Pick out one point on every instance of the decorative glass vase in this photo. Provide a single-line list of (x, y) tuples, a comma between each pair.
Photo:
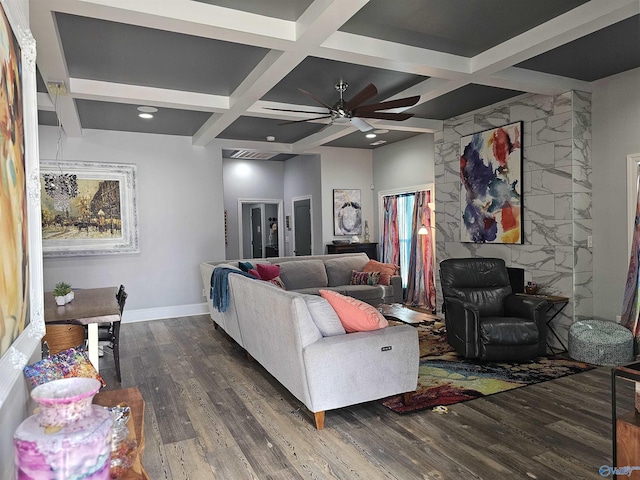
[(67, 437), (366, 232)]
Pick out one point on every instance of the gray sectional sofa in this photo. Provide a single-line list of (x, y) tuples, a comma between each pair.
[(298, 339)]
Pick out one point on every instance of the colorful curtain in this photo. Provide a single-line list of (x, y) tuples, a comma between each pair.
[(390, 245), (421, 291), (631, 301)]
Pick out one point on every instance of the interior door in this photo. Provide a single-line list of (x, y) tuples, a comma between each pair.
[(256, 232), (302, 226)]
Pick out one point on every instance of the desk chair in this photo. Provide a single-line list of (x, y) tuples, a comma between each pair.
[(110, 332)]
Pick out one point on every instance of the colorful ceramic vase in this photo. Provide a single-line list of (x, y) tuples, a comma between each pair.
[(67, 437)]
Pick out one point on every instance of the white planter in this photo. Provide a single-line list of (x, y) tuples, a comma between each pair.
[(61, 300), (69, 296)]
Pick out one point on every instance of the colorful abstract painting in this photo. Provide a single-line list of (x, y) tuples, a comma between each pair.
[(14, 279), (491, 185)]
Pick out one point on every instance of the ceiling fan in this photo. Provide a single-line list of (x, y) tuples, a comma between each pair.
[(353, 111)]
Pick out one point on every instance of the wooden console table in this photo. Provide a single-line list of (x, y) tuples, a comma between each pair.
[(133, 398), (371, 249)]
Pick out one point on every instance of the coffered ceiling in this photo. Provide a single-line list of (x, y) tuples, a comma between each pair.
[(213, 67)]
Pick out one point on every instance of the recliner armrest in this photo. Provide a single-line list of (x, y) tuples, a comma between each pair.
[(531, 308)]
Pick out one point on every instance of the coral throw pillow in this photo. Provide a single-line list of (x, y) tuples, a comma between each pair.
[(364, 278), (268, 272), (386, 270), (355, 315), (255, 273)]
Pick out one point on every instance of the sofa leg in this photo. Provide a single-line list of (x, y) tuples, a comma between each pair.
[(319, 419), (407, 398)]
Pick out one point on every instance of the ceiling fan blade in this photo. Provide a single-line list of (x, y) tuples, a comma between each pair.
[(362, 96), (306, 120), (387, 116), (316, 99), (361, 124), (288, 110), (400, 102)]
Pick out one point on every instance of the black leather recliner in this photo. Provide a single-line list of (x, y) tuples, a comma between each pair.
[(484, 319)]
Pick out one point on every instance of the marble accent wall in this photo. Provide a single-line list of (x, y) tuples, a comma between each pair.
[(556, 195)]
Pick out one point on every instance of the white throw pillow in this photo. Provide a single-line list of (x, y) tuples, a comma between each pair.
[(324, 316)]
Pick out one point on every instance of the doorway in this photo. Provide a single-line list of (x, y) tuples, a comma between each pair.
[(302, 226), (259, 234)]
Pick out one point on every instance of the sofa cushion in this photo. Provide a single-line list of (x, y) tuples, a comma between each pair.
[(386, 270), (373, 294), (355, 315), (303, 274), (339, 269), (316, 290), (324, 316), (267, 271), (226, 265), (364, 278)]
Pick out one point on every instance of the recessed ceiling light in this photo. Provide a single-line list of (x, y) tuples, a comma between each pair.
[(271, 138), (371, 135), (146, 116), (381, 131), (147, 109)]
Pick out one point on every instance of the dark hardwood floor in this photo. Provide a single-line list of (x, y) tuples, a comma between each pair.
[(212, 414)]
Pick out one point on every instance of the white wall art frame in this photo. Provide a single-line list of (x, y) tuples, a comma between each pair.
[(87, 227)]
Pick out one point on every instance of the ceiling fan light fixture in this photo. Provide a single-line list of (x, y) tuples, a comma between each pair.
[(380, 131), (147, 109)]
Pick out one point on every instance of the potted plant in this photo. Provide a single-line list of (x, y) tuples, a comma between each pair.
[(60, 292)]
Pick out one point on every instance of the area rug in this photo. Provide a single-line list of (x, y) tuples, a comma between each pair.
[(445, 378)]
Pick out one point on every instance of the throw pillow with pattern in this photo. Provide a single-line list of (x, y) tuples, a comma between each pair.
[(364, 278)]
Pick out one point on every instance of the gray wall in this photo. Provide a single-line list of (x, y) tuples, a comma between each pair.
[(403, 164), (179, 213), (245, 179), (616, 134), (302, 177)]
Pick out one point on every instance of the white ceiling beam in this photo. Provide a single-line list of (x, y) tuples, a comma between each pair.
[(328, 16), (574, 24), (139, 95), (327, 135), (187, 17), (524, 80), (52, 65)]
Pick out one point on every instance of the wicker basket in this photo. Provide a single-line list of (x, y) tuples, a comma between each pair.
[(63, 337)]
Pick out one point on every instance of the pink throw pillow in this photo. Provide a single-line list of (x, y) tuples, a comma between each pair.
[(268, 272), (386, 270), (255, 273), (355, 315)]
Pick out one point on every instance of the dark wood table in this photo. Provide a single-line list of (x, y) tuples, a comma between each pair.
[(556, 305), (397, 311), (133, 398), (90, 307)]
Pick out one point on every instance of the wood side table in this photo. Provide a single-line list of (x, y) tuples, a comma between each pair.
[(556, 305), (133, 398)]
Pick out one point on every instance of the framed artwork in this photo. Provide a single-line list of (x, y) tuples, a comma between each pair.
[(101, 219), (347, 212), (491, 185)]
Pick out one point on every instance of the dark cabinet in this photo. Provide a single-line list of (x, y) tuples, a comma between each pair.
[(371, 249)]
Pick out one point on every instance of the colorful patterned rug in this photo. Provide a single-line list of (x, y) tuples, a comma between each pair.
[(444, 378)]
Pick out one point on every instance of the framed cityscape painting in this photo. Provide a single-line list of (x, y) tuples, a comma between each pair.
[(100, 219), (491, 185)]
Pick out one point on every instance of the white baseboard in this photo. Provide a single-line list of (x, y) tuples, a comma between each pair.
[(145, 314)]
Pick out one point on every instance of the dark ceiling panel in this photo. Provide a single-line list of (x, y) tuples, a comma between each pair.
[(124, 117), (460, 27), (257, 129), (47, 117), (609, 51), (284, 9), (319, 76), (116, 52), (358, 140), (463, 100), (41, 87)]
